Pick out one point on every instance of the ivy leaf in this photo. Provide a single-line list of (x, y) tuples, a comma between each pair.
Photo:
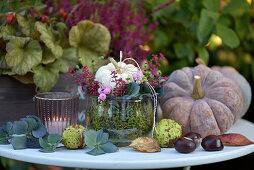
[(45, 77), (22, 55), (18, 142), (212, 5), (27, 24), (99, 142), (49, 39), (228, 36), (20, 127), (69, 59), (40, 131), (108, 147), (92, 40)]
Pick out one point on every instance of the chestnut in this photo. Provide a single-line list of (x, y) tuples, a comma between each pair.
[(212, 143), (185, 145), (195, 137)]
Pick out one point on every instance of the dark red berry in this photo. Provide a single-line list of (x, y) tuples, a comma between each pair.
[(9, 18), (45, 19), (63, 13)]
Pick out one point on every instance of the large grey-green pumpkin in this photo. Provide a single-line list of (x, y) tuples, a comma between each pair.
[(202, 100)]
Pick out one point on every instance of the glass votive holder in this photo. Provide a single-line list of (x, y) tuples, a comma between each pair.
[(57, 110)]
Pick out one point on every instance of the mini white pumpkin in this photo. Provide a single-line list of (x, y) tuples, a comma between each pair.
[(103, 75)]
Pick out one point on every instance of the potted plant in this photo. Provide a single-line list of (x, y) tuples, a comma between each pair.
[(120, 98)]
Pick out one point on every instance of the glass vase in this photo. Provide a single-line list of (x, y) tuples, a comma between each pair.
[(124, 119)]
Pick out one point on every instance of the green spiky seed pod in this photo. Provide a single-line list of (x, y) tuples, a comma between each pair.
[(168, 132), (73, 137)]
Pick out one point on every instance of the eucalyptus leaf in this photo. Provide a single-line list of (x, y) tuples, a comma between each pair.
[(45, 77), (69, 59), (32, 124), (92, 40), (19, 142), (43, 143), (96, 151), (22, 55), (53, 138), (40, 131), (20, 127), (90, 137), (108, 147), (32, 142), (7, 127), (49, 39)]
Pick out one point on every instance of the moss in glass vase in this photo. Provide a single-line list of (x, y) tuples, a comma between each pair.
[(124, 120)]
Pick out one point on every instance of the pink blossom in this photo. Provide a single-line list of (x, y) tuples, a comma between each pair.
[(106, 90), (102, 96), (100, 90), (109, 87), (134, 76), (139, 74)]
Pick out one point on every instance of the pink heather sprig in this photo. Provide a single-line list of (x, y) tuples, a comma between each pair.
[(120, 87), (86, 80)]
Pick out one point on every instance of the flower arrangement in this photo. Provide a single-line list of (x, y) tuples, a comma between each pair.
[(120, 97)]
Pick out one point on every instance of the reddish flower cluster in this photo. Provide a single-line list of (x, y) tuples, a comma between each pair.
[(86, 80), (120, 87)]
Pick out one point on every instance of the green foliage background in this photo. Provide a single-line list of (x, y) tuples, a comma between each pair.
[(187, 29)]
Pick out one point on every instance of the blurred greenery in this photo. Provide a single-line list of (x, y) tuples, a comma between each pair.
[(218, 31)]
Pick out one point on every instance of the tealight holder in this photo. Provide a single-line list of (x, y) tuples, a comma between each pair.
[(57, 110)]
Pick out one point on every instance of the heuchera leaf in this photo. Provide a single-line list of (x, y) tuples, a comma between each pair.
[(40, 131), (8, 32), (45, 77), (234, 139), (49, 39), (92, 40), (68, 59), (18, 142), (3, 64), (20, 127), (22, 55), (27, 24), (47, 56)]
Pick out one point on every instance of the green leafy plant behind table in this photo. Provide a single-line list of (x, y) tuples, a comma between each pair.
[(36, 51)]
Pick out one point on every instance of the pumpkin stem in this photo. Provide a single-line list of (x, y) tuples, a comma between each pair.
[(198, 92), (113, 61)]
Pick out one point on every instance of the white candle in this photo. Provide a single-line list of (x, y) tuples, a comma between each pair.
[(56, 126)]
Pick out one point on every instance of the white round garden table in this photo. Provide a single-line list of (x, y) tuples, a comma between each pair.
[(127, 158)]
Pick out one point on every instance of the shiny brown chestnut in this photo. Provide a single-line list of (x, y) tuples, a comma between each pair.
[(185, 145), (195, 137), (212, 143)]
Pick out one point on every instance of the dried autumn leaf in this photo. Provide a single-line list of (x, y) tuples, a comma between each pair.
[(234, 139), (145, 144)]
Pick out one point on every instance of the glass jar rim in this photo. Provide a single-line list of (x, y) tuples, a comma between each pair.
[(48, 95)]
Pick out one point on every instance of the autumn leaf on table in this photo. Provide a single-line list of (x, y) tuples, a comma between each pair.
[(145, 144), (234, 139)]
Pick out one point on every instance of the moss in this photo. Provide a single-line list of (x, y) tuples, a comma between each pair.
[(123, 120)]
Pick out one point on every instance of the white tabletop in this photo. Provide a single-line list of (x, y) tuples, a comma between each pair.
[(129, 159)]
